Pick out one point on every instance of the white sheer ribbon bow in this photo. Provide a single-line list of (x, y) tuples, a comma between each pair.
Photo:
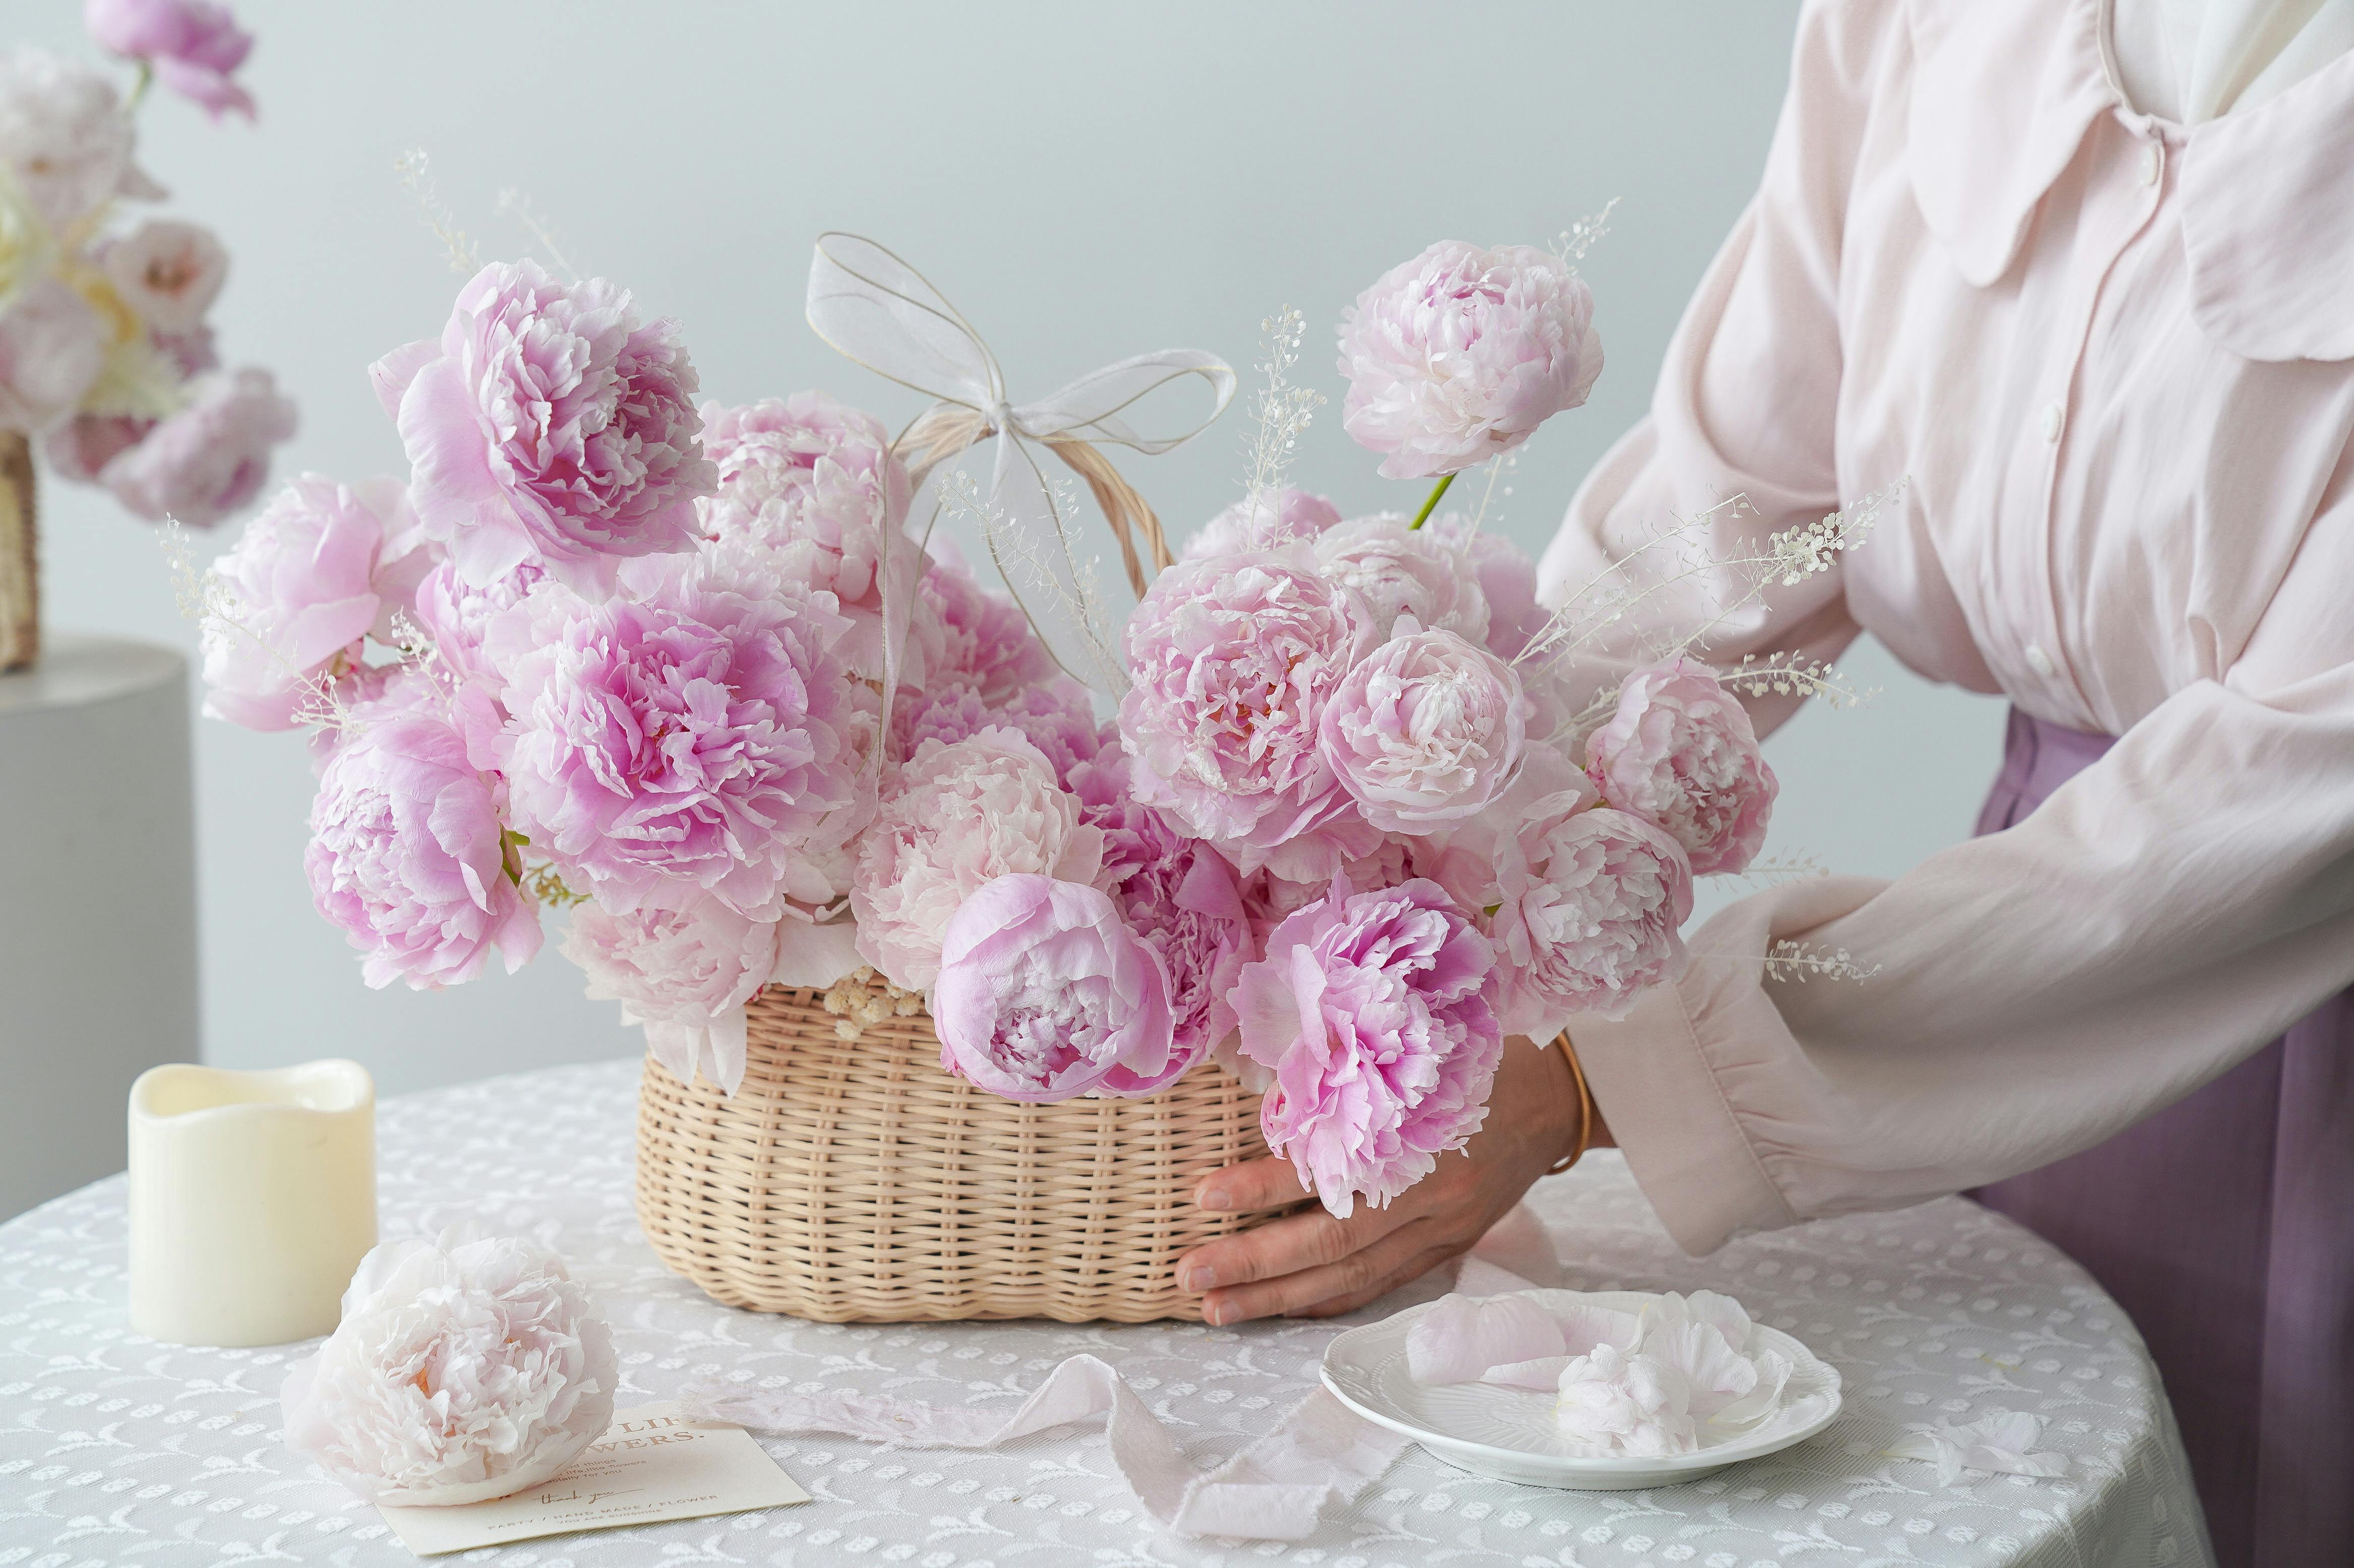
[(875, 309)]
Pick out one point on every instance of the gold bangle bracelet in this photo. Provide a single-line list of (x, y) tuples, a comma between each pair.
[(1585, 1107)]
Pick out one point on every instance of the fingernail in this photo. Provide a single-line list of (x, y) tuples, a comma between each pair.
[(1215, 1199), (1214, 1315), (1196, 1278)]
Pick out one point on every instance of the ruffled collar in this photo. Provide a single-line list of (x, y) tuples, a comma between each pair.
[(2003, 93)]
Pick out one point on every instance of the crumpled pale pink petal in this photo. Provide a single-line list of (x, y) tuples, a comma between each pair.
[(1997, 1441), (1461, 1338)]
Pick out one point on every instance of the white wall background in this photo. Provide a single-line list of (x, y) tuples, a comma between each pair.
[(1086, 181)]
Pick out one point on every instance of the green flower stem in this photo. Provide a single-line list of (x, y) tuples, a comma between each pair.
[(138, 89), (1435, 492)]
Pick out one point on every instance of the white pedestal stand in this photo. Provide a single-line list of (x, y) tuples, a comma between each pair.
[(98, 902)]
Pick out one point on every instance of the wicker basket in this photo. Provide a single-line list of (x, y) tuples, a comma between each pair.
[(857, 1181)]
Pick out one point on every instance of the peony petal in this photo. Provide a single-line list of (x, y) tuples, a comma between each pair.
[(1459, 1339)]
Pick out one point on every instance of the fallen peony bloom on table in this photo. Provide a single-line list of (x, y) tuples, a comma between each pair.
[(464, 1368)]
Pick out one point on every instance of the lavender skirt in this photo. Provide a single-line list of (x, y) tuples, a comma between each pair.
[(2225, 1225)]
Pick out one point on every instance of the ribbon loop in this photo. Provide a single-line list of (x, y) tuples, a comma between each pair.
[(876, 311)]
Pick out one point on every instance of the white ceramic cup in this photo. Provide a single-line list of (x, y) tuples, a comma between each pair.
[(253, 1200)]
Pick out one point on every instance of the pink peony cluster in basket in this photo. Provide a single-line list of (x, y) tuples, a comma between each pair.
[(685, 673)]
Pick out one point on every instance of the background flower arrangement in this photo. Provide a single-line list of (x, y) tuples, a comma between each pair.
[(706, 678), (106, 361)]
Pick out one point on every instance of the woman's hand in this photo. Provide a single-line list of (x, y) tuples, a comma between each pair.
[(1313, 1265)]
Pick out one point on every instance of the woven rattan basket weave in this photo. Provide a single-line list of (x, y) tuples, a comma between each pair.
[(857, 1181)]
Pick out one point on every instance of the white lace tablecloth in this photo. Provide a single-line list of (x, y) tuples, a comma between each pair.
[(116, 1450)]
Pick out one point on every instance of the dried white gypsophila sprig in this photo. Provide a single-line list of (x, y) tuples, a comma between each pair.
[(1281, 412), (515, 204), (1792, 675), (1796, 960), (1573, 243), (1071, 586), (1789, 866), (415, 170), (863, 997)]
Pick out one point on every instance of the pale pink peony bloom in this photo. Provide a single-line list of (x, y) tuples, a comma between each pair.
[(1506, 578), (1372, 1010), (1403, 572), (1057, 716), (1457, 355), (965, 634), (192, 45), (408, 853), (465, 1369), (1251, 525), (210, 458), (1233, 660), (1680, 752), (1463, 857), (86, 443), (816, 481), (963, 815), (65, 137), (1592, 901), (169, 272), (1425, 731), (1180, 895), (692, 737), (1269, 898), (457, 615), (1045, 994), (548, 423), (52, 348), (684, 973), (311, 575)]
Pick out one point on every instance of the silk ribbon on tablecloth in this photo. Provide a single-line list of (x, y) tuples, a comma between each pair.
[(876, 311)]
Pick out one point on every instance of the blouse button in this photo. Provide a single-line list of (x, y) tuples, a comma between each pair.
[(2054, 417), (2040, 661), (2152, 163)]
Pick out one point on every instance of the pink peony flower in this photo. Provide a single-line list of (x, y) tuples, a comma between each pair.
[(312, 575), (1591, 905), (86, 443), (688, 738), (1507, 578), (457, 615), (971, 636), (64, 135), (1058, 717), (1180, 895), (1233, 660), (684, 973), (210, 458), (1268, 899), (816, 479), (1045, 994), (1250, 525), (407, 853), (192, 45), (548, 423), (1401, 572), (465, 1369), (51, 351), (963, 815), (1679, 752), (169, 272), (1459, 354), (1372, 1010), (1423, 731)]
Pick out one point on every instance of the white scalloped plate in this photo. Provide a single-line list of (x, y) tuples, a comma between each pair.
[(1508, 1433)]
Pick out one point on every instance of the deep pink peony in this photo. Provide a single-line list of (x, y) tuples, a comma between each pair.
[(684, 973), (965, 634), (311, 575), (1591, 906), (692, 737), (1181, 896), (169, 272), (406, 848), (1233, 660), (210, 458), (816, 481), (1459, 354), (51, 351), (547, 422), (1251, 525), (1374, 1012), (194, 46), (1679, 752), (963, 815), (1400, 571), (1058, 717), (1045, 994), (457, 615), (1423, 731)]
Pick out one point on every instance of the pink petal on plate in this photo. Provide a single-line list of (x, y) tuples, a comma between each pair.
[(1459, 1338)]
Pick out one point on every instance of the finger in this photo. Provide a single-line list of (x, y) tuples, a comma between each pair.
[(1287, 1245), (1416, 1266), (1342, 1277), (1266, 1184)]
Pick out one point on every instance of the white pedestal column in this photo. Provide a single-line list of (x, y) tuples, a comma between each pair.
[(98, 902)]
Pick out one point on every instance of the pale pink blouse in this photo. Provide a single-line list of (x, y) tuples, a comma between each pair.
[(2114, 361)]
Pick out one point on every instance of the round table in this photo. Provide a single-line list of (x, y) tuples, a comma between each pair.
[(117, 1450)]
